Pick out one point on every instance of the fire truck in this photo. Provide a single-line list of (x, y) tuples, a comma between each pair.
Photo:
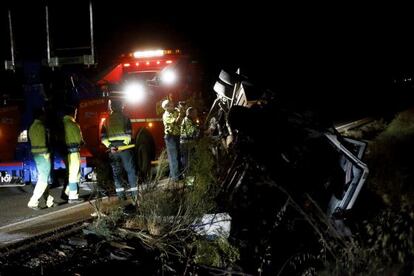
[(141, 80)]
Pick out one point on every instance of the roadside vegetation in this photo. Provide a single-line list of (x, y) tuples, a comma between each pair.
[(167, 214), (161, 230), (383, 240)]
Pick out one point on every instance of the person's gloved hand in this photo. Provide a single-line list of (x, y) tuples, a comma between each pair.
[(113, 149)]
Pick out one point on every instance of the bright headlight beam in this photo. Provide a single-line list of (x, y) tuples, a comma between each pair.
[(134, 92), (168, 77)]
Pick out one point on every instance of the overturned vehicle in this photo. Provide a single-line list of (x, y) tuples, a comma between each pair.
[(288, 178)]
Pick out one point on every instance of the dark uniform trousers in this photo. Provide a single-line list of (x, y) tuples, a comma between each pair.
[(123, 159)]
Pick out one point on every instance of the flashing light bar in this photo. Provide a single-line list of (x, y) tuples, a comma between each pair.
[(154, 53), (151, 53), (146, 63)]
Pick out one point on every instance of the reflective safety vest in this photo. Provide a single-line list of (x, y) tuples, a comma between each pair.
[(73, 134), (116, 130), (189, 130), (171, 124), (37, 136)]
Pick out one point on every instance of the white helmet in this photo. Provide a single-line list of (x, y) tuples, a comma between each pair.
[(164, 104)]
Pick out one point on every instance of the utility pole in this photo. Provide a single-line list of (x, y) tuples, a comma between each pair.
[(11, 64)]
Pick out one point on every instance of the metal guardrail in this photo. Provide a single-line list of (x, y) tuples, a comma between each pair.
[(354, 124)]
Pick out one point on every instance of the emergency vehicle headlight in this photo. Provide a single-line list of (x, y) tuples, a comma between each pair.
[(146, 54), (168, 77), (22, 137), (134, 92)]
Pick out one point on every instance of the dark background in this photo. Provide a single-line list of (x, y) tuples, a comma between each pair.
[(341, 59)]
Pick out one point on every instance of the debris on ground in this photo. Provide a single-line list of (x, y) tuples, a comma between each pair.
[(213, 226)]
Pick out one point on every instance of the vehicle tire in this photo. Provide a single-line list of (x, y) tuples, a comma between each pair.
[(145, 153)]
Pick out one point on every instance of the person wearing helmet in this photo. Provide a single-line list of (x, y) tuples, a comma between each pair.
[(117, 132), (171, 119)]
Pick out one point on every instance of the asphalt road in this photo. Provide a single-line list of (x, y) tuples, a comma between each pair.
[(19, 223), (13, 202)]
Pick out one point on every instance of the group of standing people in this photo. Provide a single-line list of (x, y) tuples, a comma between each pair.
[(180, 129), (115, 135), (40, 148)]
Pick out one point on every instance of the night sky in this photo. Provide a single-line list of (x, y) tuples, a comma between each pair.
[(344, 56)]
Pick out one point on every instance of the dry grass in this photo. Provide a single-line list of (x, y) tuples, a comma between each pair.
[(385, 244), (368, 131), (164, 217), (390, 158)]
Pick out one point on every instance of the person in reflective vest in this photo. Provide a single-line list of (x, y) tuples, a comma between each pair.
[(116, 132), (171, 119), (39, 146), (73, 140), (189, 132)]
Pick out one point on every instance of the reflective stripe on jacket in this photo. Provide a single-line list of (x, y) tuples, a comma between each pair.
[(117, 128)]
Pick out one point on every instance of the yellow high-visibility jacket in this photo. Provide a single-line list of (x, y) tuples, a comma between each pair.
[(116, 130), (73, 134), (171, 123), (189, 130), (38, 137)]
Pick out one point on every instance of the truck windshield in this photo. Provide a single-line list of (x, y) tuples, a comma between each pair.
[(139, 76)]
